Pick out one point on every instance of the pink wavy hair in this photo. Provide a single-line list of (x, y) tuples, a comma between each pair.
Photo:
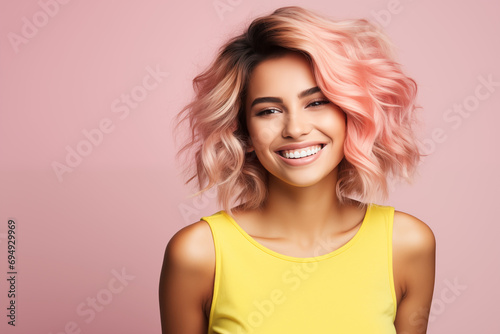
[(354, 67)]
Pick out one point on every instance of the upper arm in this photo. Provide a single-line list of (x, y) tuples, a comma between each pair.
[(414, 247), (187, 280)]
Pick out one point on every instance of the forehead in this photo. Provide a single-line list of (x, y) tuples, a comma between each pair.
[(283, 76)]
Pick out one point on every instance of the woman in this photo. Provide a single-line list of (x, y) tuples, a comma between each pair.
[(301, 120)]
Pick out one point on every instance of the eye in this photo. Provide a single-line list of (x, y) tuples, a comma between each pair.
[(318, 103), (267, 112)]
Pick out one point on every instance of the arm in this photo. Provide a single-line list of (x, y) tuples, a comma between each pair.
[(414, 247), (186, 280)]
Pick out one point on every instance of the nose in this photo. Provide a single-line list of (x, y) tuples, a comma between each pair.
[(296, 124)]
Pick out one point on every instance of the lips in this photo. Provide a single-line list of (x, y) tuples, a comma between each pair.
[(298, 151)]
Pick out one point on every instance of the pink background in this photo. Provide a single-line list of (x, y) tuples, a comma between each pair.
[(118, 207)]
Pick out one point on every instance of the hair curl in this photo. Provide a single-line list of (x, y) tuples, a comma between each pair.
[(354, 66)]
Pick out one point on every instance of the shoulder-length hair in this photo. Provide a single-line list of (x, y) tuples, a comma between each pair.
[(354, 66)]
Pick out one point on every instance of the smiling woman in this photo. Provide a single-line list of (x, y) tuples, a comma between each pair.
[(299, 122)]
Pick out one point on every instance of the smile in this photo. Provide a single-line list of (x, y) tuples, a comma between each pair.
[(302, 152)]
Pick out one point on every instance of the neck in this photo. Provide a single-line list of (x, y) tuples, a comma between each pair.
[(304, 214)]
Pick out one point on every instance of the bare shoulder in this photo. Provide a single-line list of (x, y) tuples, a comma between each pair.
[(186, 280), (192, 248), (414, 259), (412, 235)]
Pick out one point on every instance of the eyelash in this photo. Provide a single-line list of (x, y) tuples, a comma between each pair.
[(266, 111)]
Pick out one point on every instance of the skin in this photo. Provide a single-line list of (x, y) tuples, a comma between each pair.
[(301, 208)]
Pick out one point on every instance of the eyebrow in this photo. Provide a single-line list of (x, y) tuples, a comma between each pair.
[(301, 95)]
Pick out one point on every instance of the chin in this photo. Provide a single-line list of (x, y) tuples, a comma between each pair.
[(304, 181)]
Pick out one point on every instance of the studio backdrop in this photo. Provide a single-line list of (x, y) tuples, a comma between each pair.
[(91, 193)]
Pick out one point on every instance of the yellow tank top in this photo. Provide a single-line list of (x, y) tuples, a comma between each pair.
[(347, 291)]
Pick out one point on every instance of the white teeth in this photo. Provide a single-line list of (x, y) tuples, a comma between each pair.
[(302, 153)]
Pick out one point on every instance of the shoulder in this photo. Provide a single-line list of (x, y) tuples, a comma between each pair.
[(192, 248), (412, 236), (414, 262), (414, 255), (186, 279)]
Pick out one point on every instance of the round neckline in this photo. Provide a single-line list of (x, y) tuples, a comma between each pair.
[(337, 251)]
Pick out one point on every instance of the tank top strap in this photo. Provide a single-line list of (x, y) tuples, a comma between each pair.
[(379, 225)]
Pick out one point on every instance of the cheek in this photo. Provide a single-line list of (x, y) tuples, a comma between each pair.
[(334, 123), (263, 132)]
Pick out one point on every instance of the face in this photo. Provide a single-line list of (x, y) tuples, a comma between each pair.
[(296, 132)]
